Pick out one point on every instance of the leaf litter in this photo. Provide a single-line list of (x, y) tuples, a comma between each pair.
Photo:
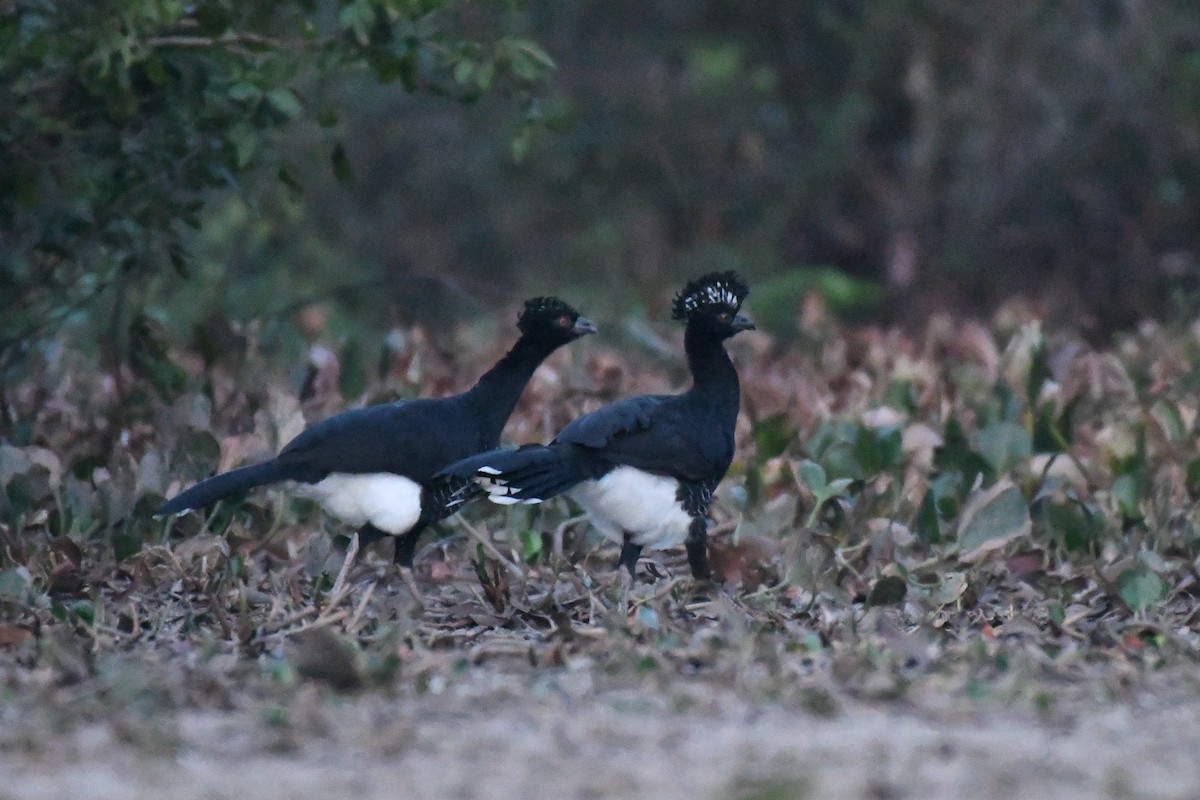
[(917, 530)]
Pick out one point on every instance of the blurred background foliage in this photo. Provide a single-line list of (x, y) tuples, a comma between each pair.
[(395, 161), (127, 126)]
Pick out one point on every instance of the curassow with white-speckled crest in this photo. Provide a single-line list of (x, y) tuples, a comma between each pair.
[(644, 468), (377, 468)]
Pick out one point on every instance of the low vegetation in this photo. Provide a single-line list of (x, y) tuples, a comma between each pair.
[(987, 513)]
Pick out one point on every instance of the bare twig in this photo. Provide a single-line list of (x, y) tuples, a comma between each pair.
[(196, 42), (324, 621), (299, 616), (356, 620), (559, 531), (351, 552), (490, 548)]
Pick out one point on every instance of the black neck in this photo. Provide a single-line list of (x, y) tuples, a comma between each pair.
[(712, 370), (495, 394)]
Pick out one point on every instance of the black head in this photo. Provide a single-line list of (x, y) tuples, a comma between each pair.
[(713, 301), (551, 320)]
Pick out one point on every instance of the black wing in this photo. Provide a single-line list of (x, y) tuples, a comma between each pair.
[(415, 438), (666, 435), (598, 428)]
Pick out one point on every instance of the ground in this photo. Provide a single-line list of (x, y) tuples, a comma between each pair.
[(686, 692), (966, 564), (513, 731)]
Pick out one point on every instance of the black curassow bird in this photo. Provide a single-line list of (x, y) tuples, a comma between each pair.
[(376, 468), (644, 468)]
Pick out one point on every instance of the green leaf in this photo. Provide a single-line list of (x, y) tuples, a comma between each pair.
[(14, 584), (485, 73), (813, 475), (244, 92), (1051, 434), (358, 18), (464, 71), (1070, 521), (956, 455), (155, 70), (1128, 496), (929, 528), (837, 486), (531, 545), (1140, 588), (84, 611), (1003, 445), (991, 519), (288, 178), (244, 140), (480, 564), (776, 300), (529, 61), (285, 102), (877, 450), (900, 393), (772, 435), (840, 461), (1169, 419), (522, 141), (940, 504), (1039, 370), (888, 591), (1193, 477)]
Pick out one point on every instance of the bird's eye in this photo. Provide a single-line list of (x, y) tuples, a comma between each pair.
[(564, 321), (723, 316)]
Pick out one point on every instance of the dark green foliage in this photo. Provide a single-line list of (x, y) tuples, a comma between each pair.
[(888, 591), (773, 435), (877, 449), (957, 456), (939, 505), (120, 118)]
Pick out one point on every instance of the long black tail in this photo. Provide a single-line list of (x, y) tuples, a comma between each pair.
[(210, 490), (529, 474)]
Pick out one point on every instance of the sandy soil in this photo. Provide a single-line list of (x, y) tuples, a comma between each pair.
[(510, 739)]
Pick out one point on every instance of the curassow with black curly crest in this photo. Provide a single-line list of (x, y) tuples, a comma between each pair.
[(644, 468), (378, 468)]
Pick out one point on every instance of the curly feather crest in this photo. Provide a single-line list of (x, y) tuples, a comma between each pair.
[(546, 308), (724, 289)]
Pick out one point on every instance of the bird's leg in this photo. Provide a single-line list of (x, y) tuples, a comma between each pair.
[(406, 546), (628, 559), (697, 549), (368, 535), (630, 553)]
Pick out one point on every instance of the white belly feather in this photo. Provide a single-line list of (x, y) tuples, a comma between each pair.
[(390, 502), (640, 503)]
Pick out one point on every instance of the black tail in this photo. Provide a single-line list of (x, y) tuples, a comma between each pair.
[(210, 490), (529, 474)]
